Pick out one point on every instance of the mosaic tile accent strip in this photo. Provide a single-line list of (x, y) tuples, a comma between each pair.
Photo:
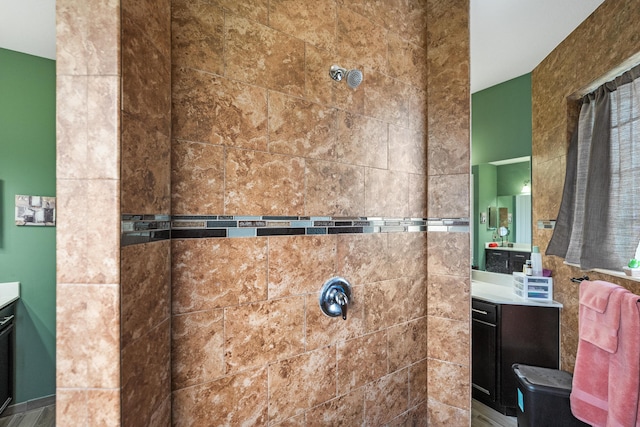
[(136, 229), (144, 228)]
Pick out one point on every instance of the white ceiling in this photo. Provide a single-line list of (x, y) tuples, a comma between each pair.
[(509, 38)]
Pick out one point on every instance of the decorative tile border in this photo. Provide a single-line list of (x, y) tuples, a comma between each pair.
[(148, 228)]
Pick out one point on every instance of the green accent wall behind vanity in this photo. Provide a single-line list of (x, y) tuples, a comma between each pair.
[(27, 254), (501, 121), (500, 130)]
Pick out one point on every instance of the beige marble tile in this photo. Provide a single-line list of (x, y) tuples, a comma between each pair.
[(334, 189), (260, 55), (323, 330), (386, 398), (87, 336), (256, 10), (301, 128), (162, 415), (145, 288), (417, 109), (449, 296), (87, 38), (345, 410), (289, 379), (263, 184), (155, 18), (408, 19), (407, 343), (418, 391), (89, 135), (361, 360), (449, 383), (215, 273), (71, 407), (313, 22), (233, 400), (418, 196), (197, 178), (197, 36), (386, 98), (386, 193), (71, 127), (408, 254), (145, 168), (449, 340), (209, 108), (392, 302), (300, 264), (102, 42), (146, 69), (362, 140), (82, 255), (71, 55), (442, 415), (407, 61), (146, 375), (407, 150), (363, 258), (448, 254), (264, 332), (448, 196), (362, 40), (197, 348)]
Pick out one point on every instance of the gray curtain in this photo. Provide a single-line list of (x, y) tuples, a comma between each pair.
[(598, 225)]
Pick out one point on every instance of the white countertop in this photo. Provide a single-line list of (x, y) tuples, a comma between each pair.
[(519, 247), (9, 292), (498, 289)]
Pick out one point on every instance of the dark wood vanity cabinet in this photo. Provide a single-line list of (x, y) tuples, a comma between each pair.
[(503, 261), (504, 334)]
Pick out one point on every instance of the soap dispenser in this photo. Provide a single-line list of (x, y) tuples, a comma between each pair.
[(536, 261)]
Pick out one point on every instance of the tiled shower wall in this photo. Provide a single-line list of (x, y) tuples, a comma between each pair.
[(145, 275), (602, 44), (259, 128)]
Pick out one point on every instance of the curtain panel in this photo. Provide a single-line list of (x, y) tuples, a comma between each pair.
[(598, 224)]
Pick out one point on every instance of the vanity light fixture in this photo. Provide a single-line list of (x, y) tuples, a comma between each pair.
[(526, 189)]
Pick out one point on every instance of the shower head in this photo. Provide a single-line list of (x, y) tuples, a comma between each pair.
[(354, 77)]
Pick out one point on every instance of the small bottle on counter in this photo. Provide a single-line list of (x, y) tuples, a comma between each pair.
[(536, 261), (527, 270)]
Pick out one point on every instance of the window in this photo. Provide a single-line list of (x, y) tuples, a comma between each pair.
[(598, 225)]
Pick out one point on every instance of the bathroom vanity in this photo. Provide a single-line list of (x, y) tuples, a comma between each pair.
[(9, 294), (506, 260), (508, 329)]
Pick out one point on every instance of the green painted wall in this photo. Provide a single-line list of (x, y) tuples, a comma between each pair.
[(500, 130), (501, 121), (27, 254)]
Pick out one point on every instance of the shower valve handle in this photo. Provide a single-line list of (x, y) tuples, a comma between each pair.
[(343, 302)]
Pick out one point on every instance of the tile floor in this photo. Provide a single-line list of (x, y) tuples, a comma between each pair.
[(39, 417)]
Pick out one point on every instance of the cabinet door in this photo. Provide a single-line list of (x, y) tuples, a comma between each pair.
[(529, 335), (484, 335), (497, 261), (518, 260)]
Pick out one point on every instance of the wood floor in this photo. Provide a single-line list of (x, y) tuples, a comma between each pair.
[(40, 417), (483, 416)]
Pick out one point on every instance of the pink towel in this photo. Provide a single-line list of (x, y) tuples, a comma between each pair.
[(606, 384), (599, 320)]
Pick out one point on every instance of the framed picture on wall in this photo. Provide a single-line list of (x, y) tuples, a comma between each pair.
[(35, 210)]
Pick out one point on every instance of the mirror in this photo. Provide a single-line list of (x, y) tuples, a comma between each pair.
[(493, 218), (498, 194)]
